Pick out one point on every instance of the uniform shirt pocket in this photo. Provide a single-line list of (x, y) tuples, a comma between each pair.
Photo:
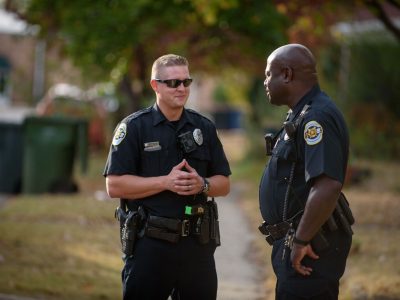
[(199, 160), (152, 162)]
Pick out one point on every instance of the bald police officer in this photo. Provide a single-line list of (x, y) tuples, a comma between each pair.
[(164, 162), (302, 182)]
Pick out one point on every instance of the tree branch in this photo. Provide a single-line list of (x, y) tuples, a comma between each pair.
[(376, 8)]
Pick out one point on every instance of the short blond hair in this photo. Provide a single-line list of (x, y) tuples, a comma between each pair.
[(167, 60)]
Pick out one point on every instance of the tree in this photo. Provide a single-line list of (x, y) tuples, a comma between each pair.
[(120, 38)]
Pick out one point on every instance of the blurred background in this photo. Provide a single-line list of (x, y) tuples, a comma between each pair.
[(71, 70)]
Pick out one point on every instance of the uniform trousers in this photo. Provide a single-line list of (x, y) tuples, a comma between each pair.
[(157, 268), (323, 283)]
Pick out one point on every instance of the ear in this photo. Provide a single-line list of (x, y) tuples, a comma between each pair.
[(153, 84), (287, 73)]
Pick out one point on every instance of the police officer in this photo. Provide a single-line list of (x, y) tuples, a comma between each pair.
[(166, 159), (302, 181)]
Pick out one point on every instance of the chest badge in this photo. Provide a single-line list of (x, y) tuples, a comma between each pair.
[(198, 136)]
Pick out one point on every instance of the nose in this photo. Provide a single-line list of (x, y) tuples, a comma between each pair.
[(180, 86), (265, 83)]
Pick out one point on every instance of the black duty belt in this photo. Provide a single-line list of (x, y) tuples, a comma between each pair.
[(278, 231), (274, 232), (169, 229), (200, 220)]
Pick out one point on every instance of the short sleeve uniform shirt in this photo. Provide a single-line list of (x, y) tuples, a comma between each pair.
[(320, 147), (145, 144)]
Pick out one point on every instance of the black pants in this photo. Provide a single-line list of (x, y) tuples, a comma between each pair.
[(323, 283), (330, 292), (158, 267)]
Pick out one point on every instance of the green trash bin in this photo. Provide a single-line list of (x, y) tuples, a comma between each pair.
[(51, 145), (11, 143)]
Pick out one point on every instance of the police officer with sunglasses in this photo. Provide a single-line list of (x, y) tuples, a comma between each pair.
[(165, 164)]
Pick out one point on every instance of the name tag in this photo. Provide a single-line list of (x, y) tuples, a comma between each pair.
[(152, 146)]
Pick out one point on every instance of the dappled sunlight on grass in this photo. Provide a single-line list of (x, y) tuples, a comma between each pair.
[(103, 259), (60, 247)]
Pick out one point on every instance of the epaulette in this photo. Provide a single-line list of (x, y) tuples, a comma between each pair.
[(302, 114), (198, 114), (138, 113)]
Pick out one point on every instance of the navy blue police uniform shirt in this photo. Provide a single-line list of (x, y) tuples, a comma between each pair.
[(320, 147), (145, 144)]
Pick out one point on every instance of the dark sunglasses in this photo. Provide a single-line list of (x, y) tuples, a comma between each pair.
[(174, 83)]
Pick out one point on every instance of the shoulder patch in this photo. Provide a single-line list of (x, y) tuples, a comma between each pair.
[(313, 133), (119, 134)]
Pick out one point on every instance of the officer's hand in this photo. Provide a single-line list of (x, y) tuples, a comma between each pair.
[(184, 179), (174, 178), (196, 181), (296, 256)]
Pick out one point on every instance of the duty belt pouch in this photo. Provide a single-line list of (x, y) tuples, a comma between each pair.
[(319, 241), (214, 222), (344, 215), (204, 234), (163, 229)]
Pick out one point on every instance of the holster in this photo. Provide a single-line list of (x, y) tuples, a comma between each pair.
[(129, 227), (274, 232)]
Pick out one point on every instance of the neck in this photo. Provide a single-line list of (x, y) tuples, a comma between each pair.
[(171, 114), (298, 94)]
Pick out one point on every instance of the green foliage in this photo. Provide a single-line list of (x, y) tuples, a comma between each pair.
[(101, 34), (374, 99), (329, 63), (368, 93), (375, 74)]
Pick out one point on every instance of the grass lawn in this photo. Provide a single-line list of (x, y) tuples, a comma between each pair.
[(61, 246)]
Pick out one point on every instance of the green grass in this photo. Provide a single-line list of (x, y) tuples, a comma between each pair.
[(60, 247)]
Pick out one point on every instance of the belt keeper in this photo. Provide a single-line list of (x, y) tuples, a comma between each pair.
[(185, 228)]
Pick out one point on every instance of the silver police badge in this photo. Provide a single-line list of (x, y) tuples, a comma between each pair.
[(198, 136)]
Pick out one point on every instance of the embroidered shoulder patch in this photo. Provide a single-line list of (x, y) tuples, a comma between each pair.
[(119, 135), (313, 132)]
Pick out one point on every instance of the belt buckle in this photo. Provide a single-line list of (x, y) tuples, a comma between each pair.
[(185, 228)]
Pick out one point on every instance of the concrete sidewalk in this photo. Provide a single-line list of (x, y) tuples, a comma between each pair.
[(238, 277)]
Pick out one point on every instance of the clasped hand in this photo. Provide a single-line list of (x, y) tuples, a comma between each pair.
[(184, 180)]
